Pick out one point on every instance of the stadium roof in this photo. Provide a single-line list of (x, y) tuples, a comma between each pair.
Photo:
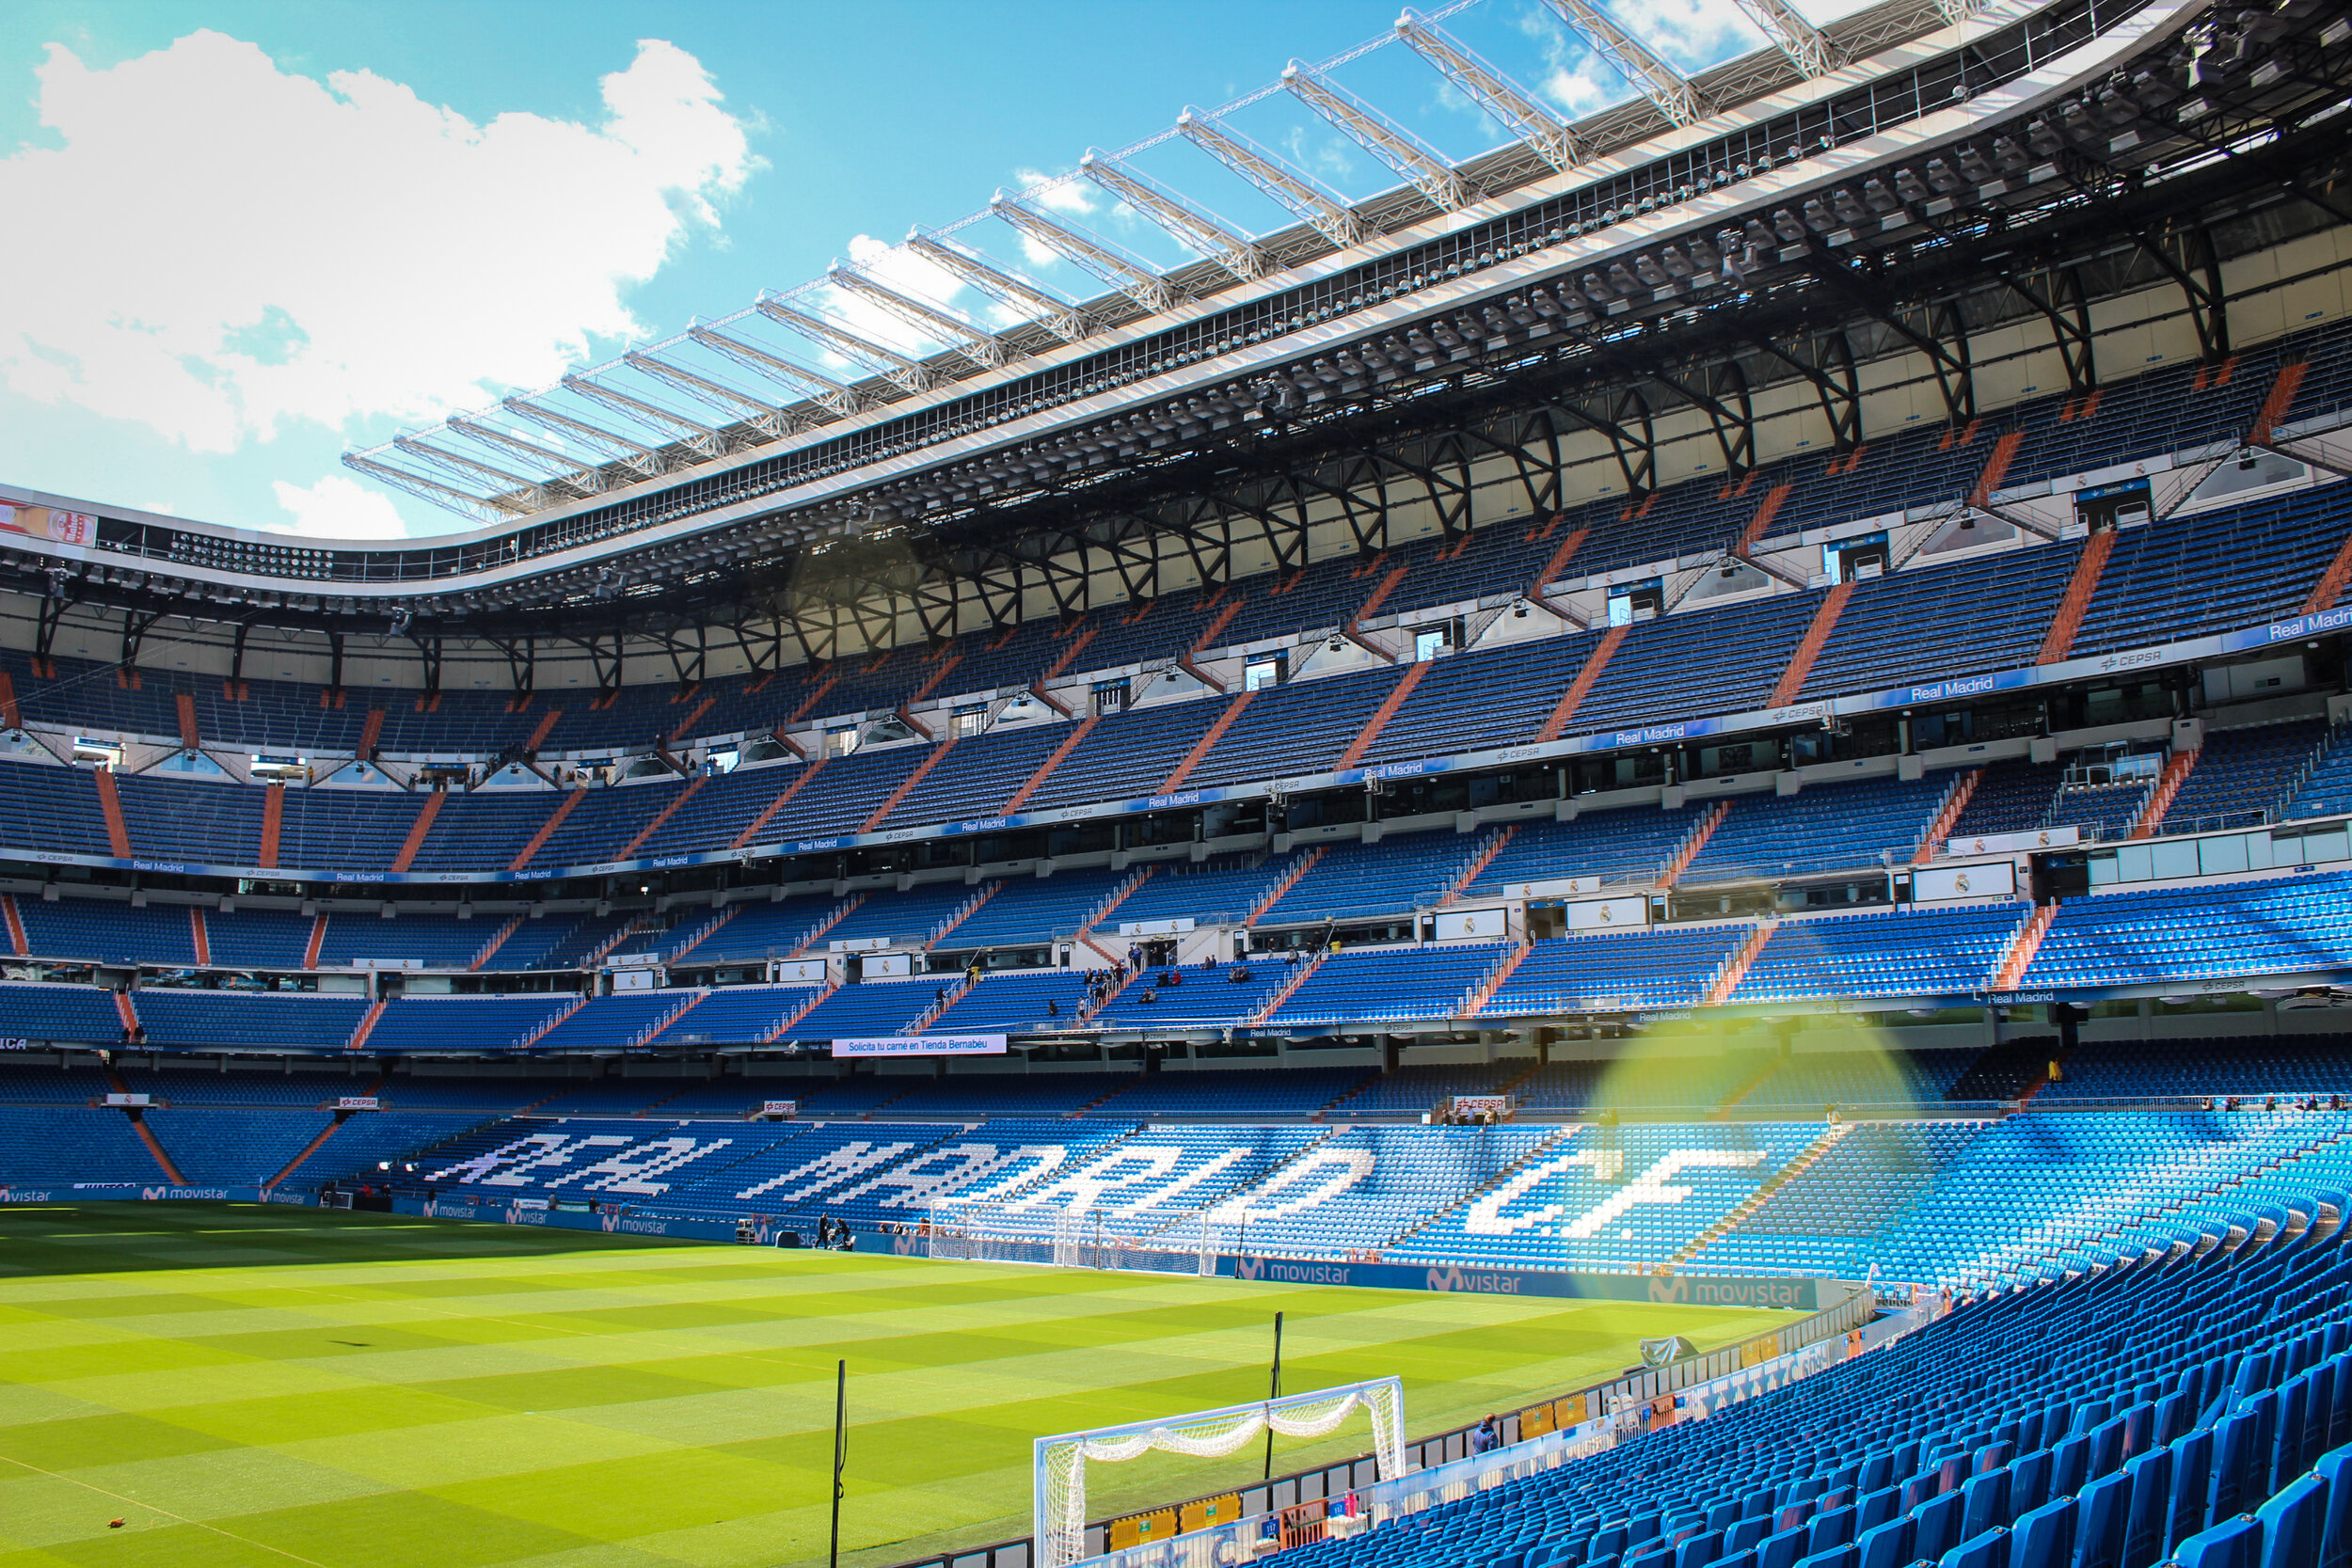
[(2015, 167), (667, 407)]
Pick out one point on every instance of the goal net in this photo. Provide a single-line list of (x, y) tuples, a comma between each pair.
[(1059, 1498), (992, 1233)]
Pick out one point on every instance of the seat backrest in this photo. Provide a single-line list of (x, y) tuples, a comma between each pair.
[(2231, 1543), (2044, 1537), (1886, 1545), (2100, 1511), (2295, 1522), (2150, 1477), (1988, 1550), (1937, 1525), (2192, 1476)]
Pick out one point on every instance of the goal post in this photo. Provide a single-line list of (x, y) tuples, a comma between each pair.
[(1058, 1502)]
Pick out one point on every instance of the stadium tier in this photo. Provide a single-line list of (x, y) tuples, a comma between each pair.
[(2225, 565), (1932, 1187)]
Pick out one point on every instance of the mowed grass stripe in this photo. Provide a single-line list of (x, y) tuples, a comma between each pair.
[(567, 1400)]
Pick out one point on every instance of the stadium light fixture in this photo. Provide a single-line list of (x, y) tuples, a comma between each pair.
[(1290, 187), (1190, 224), (1808, 47), (983, 348), (1492, 91), (1132, 276), (892, 366), (1661, 82), (1006, 287), (821, 389), (1422, 166)]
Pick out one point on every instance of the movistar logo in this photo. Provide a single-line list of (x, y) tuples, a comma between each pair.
[(1483, 1284)]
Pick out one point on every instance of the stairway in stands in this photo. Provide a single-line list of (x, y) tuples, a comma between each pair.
[(1810, 1156)]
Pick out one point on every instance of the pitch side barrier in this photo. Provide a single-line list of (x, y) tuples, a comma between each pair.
[(151, 1191), (1785, 1293), (1792, 1294), (1928, 688)]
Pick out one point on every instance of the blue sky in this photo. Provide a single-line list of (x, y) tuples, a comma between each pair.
[(247, 236)]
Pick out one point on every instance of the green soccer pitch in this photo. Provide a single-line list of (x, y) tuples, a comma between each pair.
[(247, 1385)]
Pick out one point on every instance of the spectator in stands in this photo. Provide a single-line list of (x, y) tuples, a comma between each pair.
[(1150, 996), (1053, 1008), (1240, 975), (1487, 1437)]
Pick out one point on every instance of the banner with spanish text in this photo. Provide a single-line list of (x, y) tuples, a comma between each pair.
[(922, 1045)]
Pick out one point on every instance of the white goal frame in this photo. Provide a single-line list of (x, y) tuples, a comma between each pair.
[(1059, 1500)]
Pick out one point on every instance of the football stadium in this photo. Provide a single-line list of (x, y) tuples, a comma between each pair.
[(1634, 853)]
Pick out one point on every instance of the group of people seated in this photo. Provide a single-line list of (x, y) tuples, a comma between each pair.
[(2270, 1103)]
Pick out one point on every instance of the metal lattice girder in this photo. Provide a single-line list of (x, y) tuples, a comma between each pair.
[(642, 458), (1423, 165), (583, 479), (822, 389), (532, 489), (1211, 236), (1661, 82), (1131, 278), (1056, 315), (464, 502), (984, 349), (701, 437), (1317, 203), (1492, 91), (458, 462), (889, 364), (763, 417), (1808, 47)]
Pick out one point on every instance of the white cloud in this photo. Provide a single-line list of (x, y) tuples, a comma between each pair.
[(1454, 100), (1691, 34), (1694, 34), (218, 249), (1056, 193), (906, 272), (1327, 158), (338, 508)]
